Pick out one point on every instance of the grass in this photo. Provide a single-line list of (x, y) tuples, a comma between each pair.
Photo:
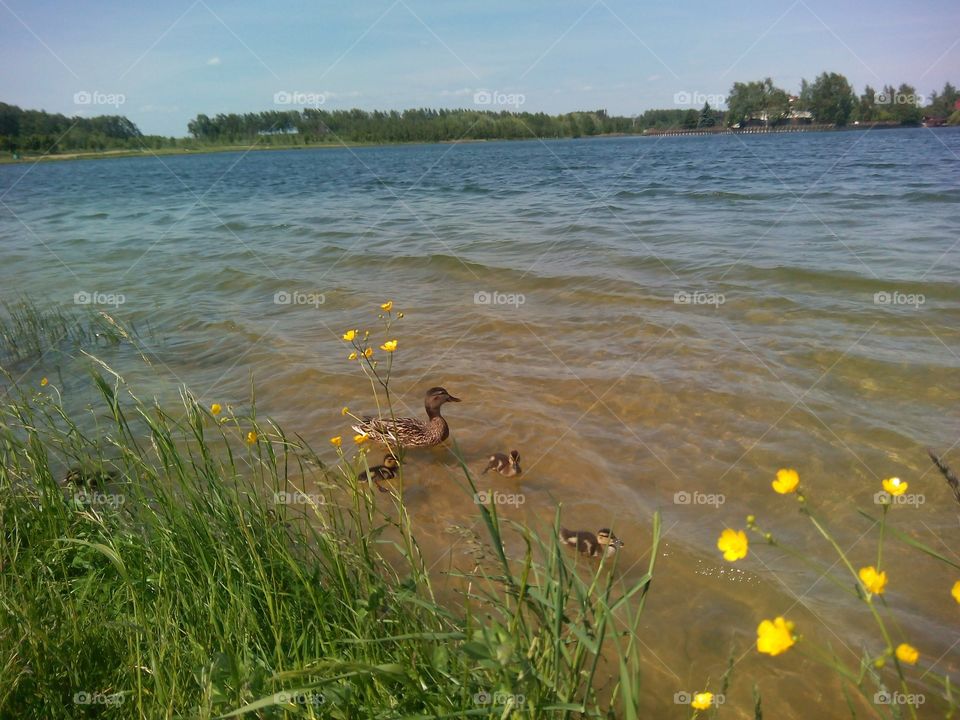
[(181, 587)]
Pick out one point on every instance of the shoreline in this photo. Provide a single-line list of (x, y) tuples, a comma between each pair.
[(650, 132)]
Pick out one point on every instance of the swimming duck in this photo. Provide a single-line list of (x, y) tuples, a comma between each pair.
[(411, 432), (84, 477), (506, 466), (387, 471), (589, 544)]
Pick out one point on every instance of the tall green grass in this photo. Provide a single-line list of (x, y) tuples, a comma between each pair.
[(181, 587)]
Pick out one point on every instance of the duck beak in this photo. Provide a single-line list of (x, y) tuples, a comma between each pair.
[(451, 398)]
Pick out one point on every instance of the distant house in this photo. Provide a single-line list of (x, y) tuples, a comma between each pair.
[(933, 121)]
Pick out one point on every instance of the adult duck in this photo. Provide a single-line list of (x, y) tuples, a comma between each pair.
[(411, 432)]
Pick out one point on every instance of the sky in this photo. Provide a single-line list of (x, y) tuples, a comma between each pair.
[(162, 63)]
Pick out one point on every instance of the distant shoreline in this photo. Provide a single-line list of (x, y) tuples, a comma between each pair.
[(6, 159)]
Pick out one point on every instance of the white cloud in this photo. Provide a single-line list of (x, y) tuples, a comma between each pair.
[(215, 60)]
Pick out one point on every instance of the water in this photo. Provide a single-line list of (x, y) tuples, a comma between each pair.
[(620, 396)]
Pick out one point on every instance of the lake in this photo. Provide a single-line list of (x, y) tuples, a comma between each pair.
[(654, 323)]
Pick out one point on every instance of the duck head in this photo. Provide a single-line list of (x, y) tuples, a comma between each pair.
[(608, 540), (515, 461), (390, 461), (435, 397)]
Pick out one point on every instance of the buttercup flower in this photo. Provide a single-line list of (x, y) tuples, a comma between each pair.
[(387, 306), (44, 382), (251, 437), (895, 486), (345, 410), (787, 481), (359, 439), (368, 353), (215, 409), (775, 636), (349, 335), (399, 314), (701, 701), (389, 346), (336, 441), (352, 356), (907, 654), (733, 544), (872, 580), (956, 591)]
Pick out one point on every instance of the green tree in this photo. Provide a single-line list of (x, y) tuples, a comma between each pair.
[(831, 99), (759, 100), (707, 118)]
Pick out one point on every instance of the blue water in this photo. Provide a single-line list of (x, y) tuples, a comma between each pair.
[(828, 336)]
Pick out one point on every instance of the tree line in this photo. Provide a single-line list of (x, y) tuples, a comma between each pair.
[(828, 100)]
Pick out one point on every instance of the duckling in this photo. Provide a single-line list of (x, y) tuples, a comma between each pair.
[(387, 471), (589, 544), (506, 466), (411, 432), (88, 478)]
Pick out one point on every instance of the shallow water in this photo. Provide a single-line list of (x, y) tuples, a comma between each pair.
[(618, 394)]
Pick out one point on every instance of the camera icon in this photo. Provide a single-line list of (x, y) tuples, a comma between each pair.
[(682, 698), (682, 98), (882, 298), (81, 698), (882, 98), (682, 297), (882, 497), (282, 98), (482, 97), (82, 98), (682, 498), (82, 298), (282, 297), (482, 497), (482, 698), (882, 697), (482, 298)]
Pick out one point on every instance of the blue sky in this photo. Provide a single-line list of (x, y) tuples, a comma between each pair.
[(162, 63)]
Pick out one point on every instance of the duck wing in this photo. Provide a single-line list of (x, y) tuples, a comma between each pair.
[(392, 431)]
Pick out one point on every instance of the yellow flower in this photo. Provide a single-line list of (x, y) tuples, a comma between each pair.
[(368, 353), (345, 410), (352, 356), (251, 437), (399, 314), (907, 654), (787, 481), (389, 346), (895, 486), (701, 701), (359, 439), (44, 382), (872, 580), (349, 335), (733, 543), (956, 591), (336, 441), (216, 409), (387, 306), (775, 636)]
